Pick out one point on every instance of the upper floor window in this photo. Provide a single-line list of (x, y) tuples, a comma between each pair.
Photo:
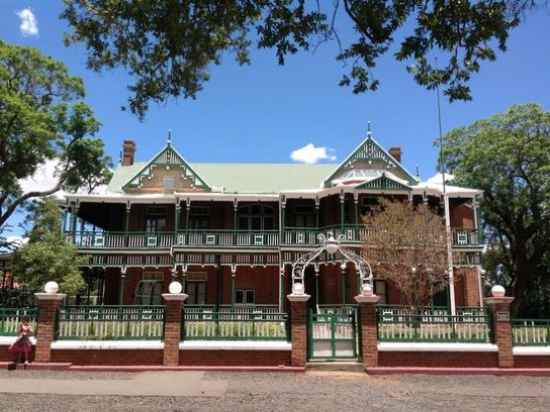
[(256, 217), (199, 217), (304, 216), (156, 220)]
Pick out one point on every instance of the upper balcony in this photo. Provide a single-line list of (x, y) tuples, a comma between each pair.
[(354, 235)]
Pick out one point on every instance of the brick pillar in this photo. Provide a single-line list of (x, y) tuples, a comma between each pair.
[(48, 304), (172, 327), (502, 328), (369, 329), (298, 325)]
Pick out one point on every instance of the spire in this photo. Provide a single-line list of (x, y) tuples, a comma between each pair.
[(169, 139), (369, 131), (417, 171)]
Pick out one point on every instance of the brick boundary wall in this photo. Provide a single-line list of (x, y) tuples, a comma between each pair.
[(532, 361), (234, 358), (438, 359), (108, 356), (5, 356)]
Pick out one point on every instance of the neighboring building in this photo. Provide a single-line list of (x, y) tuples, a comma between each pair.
[(231, 231), (6, 277)]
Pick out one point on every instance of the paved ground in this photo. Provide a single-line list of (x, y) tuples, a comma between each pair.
[(312, 391)]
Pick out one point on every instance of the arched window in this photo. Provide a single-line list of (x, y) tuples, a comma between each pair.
[(256, 217)]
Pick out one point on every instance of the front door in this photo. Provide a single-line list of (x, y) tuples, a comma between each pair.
[(196, 292)]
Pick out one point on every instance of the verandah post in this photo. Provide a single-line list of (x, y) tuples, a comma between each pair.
[(172, 326), (48, 305)]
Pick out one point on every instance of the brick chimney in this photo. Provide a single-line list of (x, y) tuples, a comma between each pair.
[(396, 153), (128, 152)]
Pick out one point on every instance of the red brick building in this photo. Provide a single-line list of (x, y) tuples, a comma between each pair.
[(230, 231)]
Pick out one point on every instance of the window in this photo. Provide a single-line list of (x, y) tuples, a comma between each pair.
[(368, 205), (245, 296), (149, 289), (155, 220), (305, 216), (256, 217), (380, 290), (197, 293), (199, 217)]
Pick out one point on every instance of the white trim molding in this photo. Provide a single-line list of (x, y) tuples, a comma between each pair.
[(436, 347), (251, 345), (107, 344), (531, 351)]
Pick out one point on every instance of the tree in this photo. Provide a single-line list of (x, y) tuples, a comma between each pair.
[(168, 45), (415, 259), (508, 157), (47, 256), (43, 118)]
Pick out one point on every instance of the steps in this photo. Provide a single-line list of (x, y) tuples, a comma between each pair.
[(335, 365)]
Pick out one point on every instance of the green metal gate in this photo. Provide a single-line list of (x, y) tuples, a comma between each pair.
[(332, 333)]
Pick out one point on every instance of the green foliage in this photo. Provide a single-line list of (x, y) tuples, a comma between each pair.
[(508, 157), (42, 117), (47, 256), (168, 45)]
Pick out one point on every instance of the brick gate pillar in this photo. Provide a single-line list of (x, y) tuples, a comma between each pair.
[(369, 330), (172, 327), (499, 305), (48, 305), (298, 328)]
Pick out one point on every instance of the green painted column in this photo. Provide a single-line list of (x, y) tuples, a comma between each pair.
[(316, 285), (343, 285), (127, 224), (233, 281), (121, 292), (281, 289), (356, 208), (235, 220), (177, 218), (73, 221), (342, 211)]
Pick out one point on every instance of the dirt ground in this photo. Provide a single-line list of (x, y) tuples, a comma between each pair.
[(229, 391)]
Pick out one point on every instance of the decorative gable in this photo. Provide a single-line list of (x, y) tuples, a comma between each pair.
[(167, 172), (383, 183), (370, 155)]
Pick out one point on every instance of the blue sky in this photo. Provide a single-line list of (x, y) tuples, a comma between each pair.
[(262, 112)]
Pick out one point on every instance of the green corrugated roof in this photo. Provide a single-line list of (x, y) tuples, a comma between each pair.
[(244, 177)]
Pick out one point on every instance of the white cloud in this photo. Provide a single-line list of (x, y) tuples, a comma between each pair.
[(17, 241), (46, 177), (29, 24), (310, 154)]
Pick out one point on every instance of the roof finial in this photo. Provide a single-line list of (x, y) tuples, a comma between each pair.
[(369, 131), (417, 171), (169, 140)]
